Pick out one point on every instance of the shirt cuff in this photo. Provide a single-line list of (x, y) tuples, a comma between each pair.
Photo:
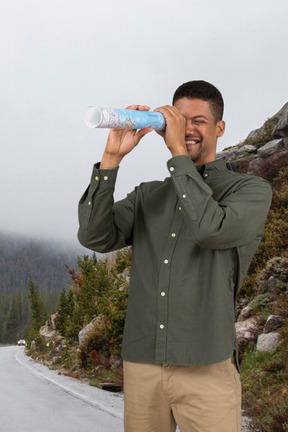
[(179, 165), (104, 178)]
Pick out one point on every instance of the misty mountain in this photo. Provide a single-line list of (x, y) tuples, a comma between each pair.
[(44, 261)]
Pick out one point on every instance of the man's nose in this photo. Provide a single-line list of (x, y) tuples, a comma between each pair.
[(190, 128)]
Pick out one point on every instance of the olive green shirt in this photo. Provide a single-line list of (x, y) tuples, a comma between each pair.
[(193, 236)]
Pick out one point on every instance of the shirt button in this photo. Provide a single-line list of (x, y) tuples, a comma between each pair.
[(173, 235), (206, 175), (180, 209), (105, 177), (163, 293), (89, 203), (96, 178), (184, 196), (166, 261), (172, 169), (161, 326)]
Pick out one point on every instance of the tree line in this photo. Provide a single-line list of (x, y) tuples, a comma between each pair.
[(22, 262)]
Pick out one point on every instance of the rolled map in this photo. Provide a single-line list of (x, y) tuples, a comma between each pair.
[(98, 117)]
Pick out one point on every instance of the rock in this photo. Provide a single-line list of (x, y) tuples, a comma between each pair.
[(274, 273), (273, 285), (246, 149), (273, 323), (83, 333), (227, 154), (247, 332), (33, 346), (241, 165), (255, 133), (268, 341), (245, 313), (54, 361), (271, 147), (115, 361), (281, 128), (234, 156), (49, 330), (248, 329), (267, 167), (280, 120), (59, 344), (270, 157)]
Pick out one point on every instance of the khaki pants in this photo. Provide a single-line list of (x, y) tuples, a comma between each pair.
[(196, 398)]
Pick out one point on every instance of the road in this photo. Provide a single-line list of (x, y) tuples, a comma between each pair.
[(33, 399)]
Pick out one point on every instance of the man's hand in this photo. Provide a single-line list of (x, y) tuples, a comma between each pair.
[(122, 141), (174, 134)]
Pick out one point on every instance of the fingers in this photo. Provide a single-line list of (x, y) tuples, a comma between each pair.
[(139, 107), (174, 134), (173, 118), (170, 112), (141, 133)]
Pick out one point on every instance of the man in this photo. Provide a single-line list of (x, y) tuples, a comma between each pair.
[(193, 236)]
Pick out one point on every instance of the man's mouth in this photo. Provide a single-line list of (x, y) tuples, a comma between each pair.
[(192, 141)]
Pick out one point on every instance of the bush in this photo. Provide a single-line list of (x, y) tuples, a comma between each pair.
[(99, 294)]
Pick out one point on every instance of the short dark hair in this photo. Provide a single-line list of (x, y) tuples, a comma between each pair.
[(205, 91)]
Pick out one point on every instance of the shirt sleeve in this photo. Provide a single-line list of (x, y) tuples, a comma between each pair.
[(104, 225), (234, 220)]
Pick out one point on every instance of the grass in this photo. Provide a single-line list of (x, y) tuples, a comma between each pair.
[(264, 377)]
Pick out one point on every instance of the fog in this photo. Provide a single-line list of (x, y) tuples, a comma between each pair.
[(59, 57)]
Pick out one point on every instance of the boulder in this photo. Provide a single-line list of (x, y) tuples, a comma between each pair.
[(49, 330), (245, 313), (241, 164), (248, 329), (273, 323), (273, 285), (268, 166), (281, 128), (271, 147), (268, 341), (83, 333), (255, 133), (115, 361), (274, 276), (247, 332), (246, 149), (227, 154)]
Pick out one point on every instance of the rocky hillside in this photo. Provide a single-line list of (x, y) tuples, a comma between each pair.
[(262, 308), (265, 151), (90, 346)]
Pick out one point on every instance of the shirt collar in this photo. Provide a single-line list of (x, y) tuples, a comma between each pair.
[(215, 166)]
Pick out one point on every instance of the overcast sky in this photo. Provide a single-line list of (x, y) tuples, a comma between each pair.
[(60, 56)]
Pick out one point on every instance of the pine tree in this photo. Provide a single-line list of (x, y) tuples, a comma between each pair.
[(66, 324), (38, 310), (12, 324)]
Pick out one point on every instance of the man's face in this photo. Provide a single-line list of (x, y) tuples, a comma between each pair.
[(202, 131)]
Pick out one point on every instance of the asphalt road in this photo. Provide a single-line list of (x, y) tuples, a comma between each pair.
[(33, 399)]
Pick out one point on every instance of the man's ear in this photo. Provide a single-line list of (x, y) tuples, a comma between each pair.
[(220, 128)]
